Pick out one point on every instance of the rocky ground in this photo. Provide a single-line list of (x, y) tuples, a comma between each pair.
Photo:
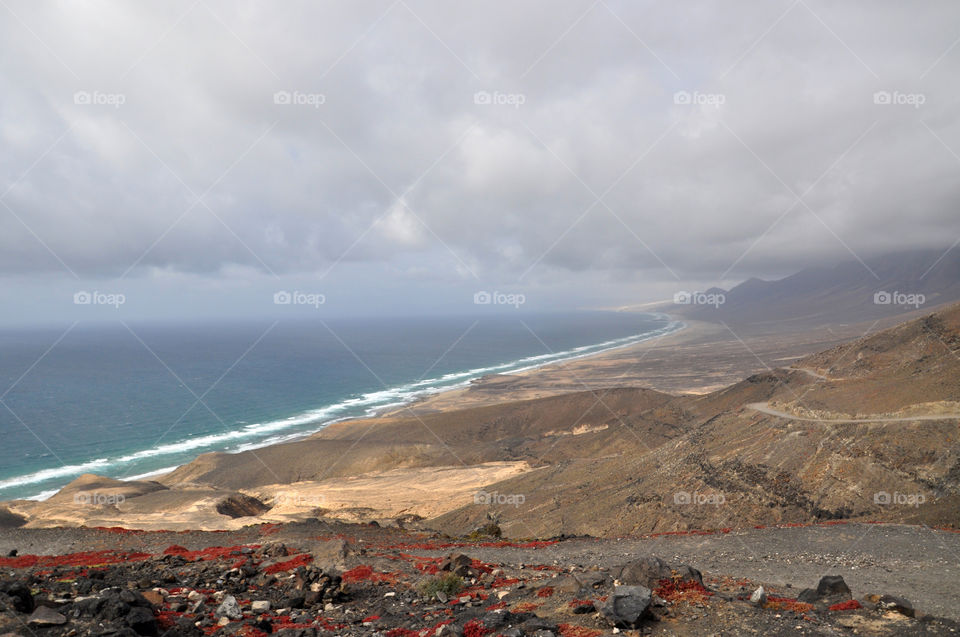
[(316, 578)]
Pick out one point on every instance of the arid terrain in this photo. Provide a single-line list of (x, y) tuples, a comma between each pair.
[(864, 430), (828, 478), (317, 578)]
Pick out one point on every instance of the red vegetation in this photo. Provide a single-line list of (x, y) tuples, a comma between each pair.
[(580, 602), (301, 560), (475, 628), (525, 607), (787, 603), (682, 591), (546, 591), (497, 606), (371, 618), (847, 605), (364, 573), (120, 530), (89, 558), (500, 582), (211, 553), (571, 630)]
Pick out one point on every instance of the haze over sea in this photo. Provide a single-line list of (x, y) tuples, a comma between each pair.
[(132, 401)]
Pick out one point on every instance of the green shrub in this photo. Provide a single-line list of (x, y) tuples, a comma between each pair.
[(448, 584)]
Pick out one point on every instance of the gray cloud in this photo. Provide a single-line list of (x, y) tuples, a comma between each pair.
[(399, 172)]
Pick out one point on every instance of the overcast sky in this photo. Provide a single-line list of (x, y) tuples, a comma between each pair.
[(199, 156)]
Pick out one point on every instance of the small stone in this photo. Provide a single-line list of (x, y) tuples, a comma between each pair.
[(759, 597), (154, 597), (229, 608), (45, 616), (260, 606)]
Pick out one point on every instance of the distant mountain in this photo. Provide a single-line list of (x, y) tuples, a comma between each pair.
[(848, 292)]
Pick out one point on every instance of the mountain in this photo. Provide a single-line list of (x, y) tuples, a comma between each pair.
[(851, 291)]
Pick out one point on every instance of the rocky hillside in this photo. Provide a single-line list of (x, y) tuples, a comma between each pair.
[(309, 580), (863, 431)]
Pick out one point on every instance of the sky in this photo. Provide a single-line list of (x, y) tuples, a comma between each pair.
[(205, 159)]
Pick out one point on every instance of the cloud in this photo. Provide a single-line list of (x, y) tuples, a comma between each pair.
[(517, 143)]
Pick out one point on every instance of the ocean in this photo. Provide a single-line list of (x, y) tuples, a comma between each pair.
[(131, 401)]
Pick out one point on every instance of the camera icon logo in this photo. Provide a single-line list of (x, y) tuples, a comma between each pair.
[(82, 97), (82, 298), (282, 298), (482, 97), (681, 497), (482, 298), (282, 97), (882, 97), (682, 97), (882, 498), (882, 298), (682, 298)]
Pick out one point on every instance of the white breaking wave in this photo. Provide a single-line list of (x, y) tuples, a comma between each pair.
[(374, 402)]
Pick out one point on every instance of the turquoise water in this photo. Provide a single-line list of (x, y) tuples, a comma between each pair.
[(133, 402)]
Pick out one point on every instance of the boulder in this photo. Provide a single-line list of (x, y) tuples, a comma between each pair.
[(46, 616), (17, 595), (240, 506), (626, 606), (458, 564), (142, 621), (833, 585), (759, 597), (229, 608), (648, 571), (830, 590), (896, 604)]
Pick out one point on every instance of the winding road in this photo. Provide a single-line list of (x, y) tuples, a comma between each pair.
[(765, 408)]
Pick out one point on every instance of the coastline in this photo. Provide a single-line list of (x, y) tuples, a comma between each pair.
[(430, 457), (447, 394)]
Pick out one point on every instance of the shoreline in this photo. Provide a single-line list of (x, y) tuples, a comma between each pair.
[(510, 433), (675, 325)]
